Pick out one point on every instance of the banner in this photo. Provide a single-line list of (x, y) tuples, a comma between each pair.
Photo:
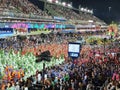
[(6, 32), (59, 18)]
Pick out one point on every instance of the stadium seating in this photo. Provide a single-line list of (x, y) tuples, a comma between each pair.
[(62, 11), (27, 9), (69, 13), (21, 9)]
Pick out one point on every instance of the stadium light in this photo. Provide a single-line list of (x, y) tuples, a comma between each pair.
[(69, 5), (88, 11), (56, 1), (63, 3), (85, 9), (91, 11), (49, 1), (90, 21), (82, 9)]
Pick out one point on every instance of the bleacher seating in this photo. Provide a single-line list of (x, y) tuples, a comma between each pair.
[(69, 13), (62, 11), (18, 8), (28, 9)]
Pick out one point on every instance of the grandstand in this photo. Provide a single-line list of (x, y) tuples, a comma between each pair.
[(43, 8), (52, 15), (16, 9), (22, 6), (41, 31)]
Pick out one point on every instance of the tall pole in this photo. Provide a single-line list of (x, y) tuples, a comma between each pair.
[(43, 73), (109, 9), (43, 70), (104, 45)]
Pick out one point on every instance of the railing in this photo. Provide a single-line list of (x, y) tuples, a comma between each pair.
[(22, 15)]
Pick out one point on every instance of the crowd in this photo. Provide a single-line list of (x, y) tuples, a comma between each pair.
[(94, 70), (18, 8), (97, 68), (69, 13), (62, 11), (66, 76), (32, 41), (18, 42)]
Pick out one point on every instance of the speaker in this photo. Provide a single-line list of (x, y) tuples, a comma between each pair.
[(46, 56), (21, 37)]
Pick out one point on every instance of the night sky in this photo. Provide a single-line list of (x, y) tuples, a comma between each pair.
[(107, 10)]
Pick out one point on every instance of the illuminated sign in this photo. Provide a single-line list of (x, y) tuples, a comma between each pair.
[(74, 49), (19, 25)]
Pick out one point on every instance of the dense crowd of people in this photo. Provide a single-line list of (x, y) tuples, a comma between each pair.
[(94, 70), (62, 11), (17, 8), (23, 6), (69, 13), (88, 76), (32, 41), (97, 68)]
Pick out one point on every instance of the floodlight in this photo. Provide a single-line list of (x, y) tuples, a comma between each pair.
[(63, 3), (49, 0), (82, 9), (56, 1)]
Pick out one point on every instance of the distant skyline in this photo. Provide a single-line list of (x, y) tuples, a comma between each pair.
[(107, 10)]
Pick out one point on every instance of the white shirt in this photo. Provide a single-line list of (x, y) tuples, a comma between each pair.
[(39, 77), (17, 87), (26, 88)]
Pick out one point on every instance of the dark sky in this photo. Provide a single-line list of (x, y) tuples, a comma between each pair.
[(107, 10)]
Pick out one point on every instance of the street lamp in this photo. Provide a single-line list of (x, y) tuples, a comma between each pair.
[(109, 9)]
